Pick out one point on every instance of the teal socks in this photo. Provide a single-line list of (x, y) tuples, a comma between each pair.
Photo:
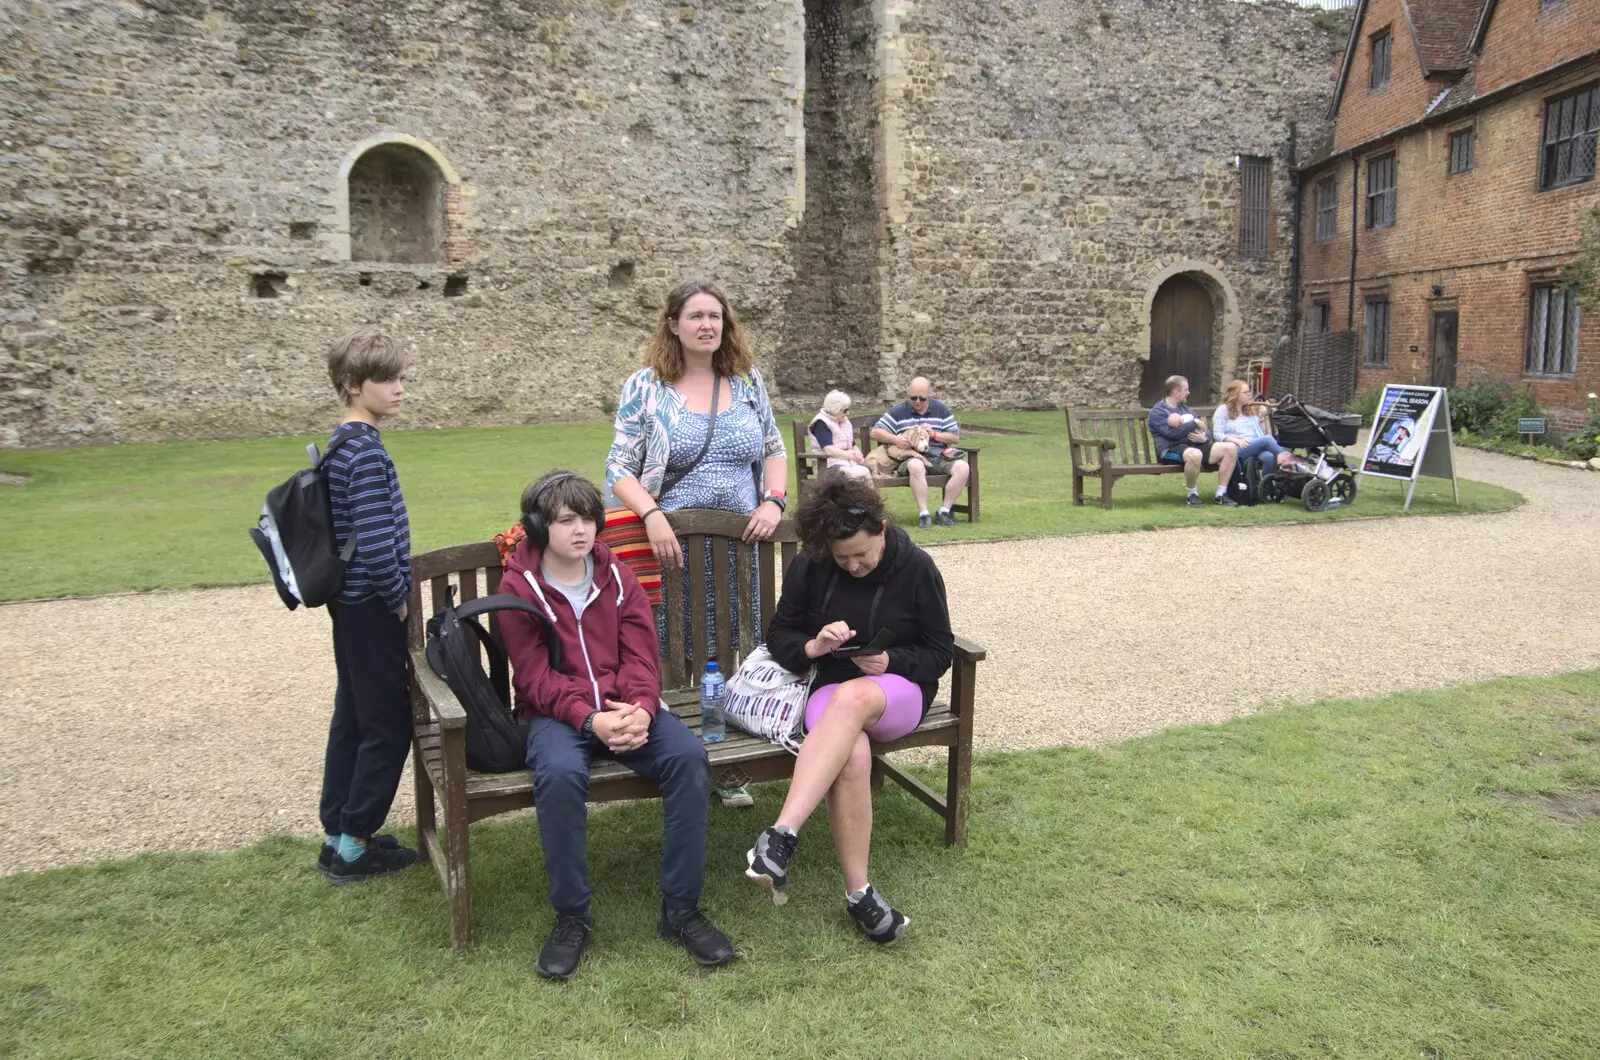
[(351, 847)]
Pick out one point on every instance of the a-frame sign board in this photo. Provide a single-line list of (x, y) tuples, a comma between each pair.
[(1411, 436)]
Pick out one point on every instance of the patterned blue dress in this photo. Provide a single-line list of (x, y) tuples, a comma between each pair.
[(724, 480)]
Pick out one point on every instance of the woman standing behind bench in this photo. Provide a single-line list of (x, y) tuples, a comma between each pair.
[(860, 579), (662, 460)]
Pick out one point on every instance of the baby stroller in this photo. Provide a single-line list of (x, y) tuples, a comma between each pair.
[(1322, 478)]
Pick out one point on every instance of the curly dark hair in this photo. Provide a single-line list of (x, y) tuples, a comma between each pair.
[(837, 507)]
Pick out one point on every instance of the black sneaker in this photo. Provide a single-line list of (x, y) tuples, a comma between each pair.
[(690, 929), (943, 518), (325, 855), (924, 521), (564, 948), (876, 919), (1227, 501), (374, 861), (1193, 500), (769, 862)]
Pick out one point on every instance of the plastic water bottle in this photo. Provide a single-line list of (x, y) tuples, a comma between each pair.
[(713, 697)]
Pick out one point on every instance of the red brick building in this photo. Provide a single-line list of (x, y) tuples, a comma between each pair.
[(1437, 221)]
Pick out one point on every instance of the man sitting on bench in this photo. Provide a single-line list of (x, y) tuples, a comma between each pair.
[(922, 410), (1183, 438)]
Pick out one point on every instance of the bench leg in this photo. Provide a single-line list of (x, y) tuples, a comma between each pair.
[(456, 847), (427, 822), (972, 487), (1107, 480), (958, 777), (1077, 488)]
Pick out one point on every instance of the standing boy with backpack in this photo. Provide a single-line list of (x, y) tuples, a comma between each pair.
[(600, 691), (370, 734)]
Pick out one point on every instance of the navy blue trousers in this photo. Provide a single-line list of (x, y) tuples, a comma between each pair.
[(370, 734), (672, 756)]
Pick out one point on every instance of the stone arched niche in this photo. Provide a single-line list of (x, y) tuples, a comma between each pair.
[(1224, 322), (390, 202)]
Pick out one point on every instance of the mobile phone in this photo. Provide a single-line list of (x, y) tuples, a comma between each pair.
[(882, 642)]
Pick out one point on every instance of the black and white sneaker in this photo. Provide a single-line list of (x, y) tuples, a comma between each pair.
[(924, 521), (877, 919), (1227, 501), (1193, 500), (769, 862)]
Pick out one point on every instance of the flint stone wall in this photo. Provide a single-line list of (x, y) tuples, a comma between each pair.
[(166, 162)]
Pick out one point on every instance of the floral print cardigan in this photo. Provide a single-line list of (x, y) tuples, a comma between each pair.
[(647, 413)]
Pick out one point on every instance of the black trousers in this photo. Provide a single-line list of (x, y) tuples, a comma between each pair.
[(370, 734)]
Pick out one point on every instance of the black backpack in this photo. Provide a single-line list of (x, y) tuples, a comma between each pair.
[(496, 742), (296, 538), (1245, 486)]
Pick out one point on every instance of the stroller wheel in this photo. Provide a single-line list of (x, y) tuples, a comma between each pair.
[(1315, 495), (1271, 491), (1344, 487)]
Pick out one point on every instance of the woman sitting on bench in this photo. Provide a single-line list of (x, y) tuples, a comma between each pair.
[(867, 607)]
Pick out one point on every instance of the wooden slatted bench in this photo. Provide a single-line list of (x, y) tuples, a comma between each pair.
[(1109, 444), (809, 465), (450, 797)]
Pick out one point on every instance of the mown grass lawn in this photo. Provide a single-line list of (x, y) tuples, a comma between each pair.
[(105, 519), (1342, 879)]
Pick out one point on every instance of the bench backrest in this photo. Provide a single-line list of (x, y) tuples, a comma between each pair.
[(807, 469), (475, 570), (1126, 427), (863, 431)]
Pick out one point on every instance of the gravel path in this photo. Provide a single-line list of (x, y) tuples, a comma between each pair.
[(195, 720)]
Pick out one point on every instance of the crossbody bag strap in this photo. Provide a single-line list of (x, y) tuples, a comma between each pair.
[(711, 430)]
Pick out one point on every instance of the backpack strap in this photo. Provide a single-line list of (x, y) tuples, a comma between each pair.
[(319, 463), (499, 667)]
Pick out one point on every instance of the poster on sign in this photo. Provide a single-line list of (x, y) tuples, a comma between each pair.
[(1411, 437)]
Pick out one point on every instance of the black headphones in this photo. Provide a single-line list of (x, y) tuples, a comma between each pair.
[(533, 522)]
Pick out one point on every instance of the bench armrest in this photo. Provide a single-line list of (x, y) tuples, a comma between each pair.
[(815, 457), (970, 650), (441, 702)]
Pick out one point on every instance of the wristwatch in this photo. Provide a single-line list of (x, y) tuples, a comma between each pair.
[(776, 498), (588, 725)]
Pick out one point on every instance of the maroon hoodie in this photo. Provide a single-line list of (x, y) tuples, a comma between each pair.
[(611, 654)]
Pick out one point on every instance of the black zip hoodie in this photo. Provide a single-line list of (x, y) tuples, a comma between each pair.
[(904, 594)]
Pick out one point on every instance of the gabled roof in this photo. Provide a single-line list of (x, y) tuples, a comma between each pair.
[(1445, 32)]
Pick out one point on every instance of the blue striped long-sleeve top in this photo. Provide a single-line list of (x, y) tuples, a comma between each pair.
[(364, 493)]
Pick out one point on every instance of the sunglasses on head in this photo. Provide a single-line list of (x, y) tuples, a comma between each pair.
[(853, 520)]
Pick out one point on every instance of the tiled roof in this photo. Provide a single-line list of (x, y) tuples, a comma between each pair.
[(1444, 31), (1460, 93)]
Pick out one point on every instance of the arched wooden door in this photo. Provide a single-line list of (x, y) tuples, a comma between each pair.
[(1180, 341)]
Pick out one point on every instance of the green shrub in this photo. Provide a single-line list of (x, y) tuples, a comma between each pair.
[(1473, 407), (1517, 405), (1366, 403)]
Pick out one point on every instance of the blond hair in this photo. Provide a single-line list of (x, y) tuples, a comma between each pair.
[(836, 403), (369, 352), (1237, 397), (664, 353)]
